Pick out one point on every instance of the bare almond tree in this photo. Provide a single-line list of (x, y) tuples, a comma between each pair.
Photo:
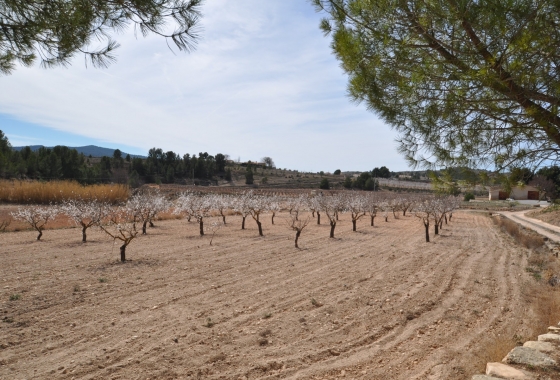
[(242, 206), (356, 204), (36, 216), (394, 205), (258, 205), (330, 205), (314, 205), (274, 206), (372, 205), (222, 203), (85, 213), (297, 225), (121, 226), (384, 207), (424, 211), (407, 203), (146, 207), (198, 206), (214, 227)]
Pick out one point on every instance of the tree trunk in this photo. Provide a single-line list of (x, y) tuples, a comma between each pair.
[(386, 218), (318, 218), (223, 218), (40, 234), (373, 217), (441, 224), (243, 223), (450, 216), (445, 215), (84, 237), (123, 249), (436, 229), (260, 228), (297, 237), (273, 213), (201, 226), (336, 213), (333, 225), (427, 226), (151, 223), (312, 213), (354, 225), (404, 212), (144, 227)]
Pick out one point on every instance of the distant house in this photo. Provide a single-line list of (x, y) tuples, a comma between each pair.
[(518, 193)]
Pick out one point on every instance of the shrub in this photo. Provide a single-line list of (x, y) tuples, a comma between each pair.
[(468, 197), (324, 184), (249, 177)]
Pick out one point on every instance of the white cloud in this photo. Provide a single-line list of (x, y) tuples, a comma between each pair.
[(262, 82)]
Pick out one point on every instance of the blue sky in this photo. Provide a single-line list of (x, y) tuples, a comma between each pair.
[(262, 82)]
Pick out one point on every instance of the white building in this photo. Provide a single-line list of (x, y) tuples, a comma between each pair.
[(518, 193)]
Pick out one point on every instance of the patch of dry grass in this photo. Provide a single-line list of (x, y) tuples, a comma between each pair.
[(528, 240), (495, 350), (550, 214), (36, 192)]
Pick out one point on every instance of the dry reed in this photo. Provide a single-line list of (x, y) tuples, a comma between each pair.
[(35, 192)]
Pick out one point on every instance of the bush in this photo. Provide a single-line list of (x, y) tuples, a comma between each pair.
[(228, 175), (249, 177), (371, 184), (468, 197), (324, 184), (337, 172)]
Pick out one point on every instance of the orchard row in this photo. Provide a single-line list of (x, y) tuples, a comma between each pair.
[(126, 221)]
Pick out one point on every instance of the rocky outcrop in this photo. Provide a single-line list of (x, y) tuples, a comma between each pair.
[(523, 362)]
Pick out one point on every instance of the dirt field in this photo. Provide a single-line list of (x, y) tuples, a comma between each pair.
[(379, 303)]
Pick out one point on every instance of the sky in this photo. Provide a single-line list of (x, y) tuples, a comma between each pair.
[(262, 82)]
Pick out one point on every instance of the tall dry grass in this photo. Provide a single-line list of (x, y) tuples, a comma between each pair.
[(35, 192), (531, 241)]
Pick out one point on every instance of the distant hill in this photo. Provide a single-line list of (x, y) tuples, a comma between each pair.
[(94, 151)]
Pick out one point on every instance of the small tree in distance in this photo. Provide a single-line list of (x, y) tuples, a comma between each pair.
[(37, 217), (146, 206), (196, 206), (324, 184), (257, 206), (297, 226), (249, 180), (330, 206), (356, 204), (242, 206), (268, 162), (121, 226), (85, 213)]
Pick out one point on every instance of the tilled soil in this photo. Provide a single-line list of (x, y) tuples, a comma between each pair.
[(379, 303)]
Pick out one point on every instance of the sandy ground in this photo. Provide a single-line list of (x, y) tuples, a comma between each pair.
[(379, 303)]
